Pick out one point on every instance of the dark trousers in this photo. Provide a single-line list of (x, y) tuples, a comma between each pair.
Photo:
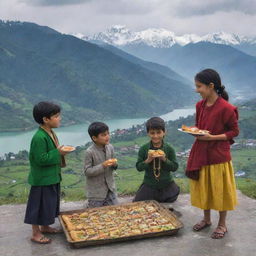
[(111, 199), (43, 205), (168, 194)]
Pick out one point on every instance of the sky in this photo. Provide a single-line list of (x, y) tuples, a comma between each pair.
[(92, 16)]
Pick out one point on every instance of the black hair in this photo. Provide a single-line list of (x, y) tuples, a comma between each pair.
[(96, 128), (208, 76), (45, 109), (156, 123)]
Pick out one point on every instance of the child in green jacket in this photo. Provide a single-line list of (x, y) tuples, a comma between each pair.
[(46, 159), (158, 160)]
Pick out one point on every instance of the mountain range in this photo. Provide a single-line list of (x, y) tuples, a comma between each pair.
[(120, 35), (90, 82), (188, 54)]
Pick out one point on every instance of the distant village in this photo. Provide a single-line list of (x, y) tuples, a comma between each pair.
[(127, 134)]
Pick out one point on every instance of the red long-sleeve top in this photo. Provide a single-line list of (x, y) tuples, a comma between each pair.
[(221, 117)]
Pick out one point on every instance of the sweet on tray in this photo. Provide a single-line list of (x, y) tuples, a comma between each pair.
[(117, 222)]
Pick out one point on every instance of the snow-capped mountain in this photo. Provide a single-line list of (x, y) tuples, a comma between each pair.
[(119, 35), (223, 38)]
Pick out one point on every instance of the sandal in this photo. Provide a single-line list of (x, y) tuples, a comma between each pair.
[(201, 225), (42, 240), (219, 232)]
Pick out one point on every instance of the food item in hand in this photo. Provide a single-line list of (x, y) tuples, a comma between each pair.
[(156, 153), (193, 129), (112, 161), (68, 148)]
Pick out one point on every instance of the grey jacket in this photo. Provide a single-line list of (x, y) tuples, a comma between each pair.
[(98, 179)]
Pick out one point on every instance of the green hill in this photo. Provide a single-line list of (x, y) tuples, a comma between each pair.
[(163, 70), (39, 63)]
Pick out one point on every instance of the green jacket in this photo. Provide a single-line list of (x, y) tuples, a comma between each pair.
[(45, 160), (166, 167)]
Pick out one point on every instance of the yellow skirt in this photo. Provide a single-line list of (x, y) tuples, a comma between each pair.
[(215, 189)]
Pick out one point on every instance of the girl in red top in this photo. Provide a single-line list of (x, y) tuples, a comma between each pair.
[(212, 183)]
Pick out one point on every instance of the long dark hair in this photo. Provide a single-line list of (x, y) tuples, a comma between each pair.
[(208, 76)]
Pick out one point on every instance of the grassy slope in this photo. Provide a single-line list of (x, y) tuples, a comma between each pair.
[(127, 178)]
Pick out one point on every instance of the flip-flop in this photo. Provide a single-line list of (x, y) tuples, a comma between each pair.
[(42, 240), (219, 234), (200, 226)]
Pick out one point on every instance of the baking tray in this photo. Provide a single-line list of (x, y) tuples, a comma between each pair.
[(161, 209)]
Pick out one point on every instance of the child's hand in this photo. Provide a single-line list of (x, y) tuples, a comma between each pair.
[(150, 158), (113, 161), (110, 162), (63, 153), (163, 157), (105, 164), (205, 137)]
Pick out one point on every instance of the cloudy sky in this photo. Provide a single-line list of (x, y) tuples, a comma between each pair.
[(92, 16)]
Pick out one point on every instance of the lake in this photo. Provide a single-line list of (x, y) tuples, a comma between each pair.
[(77, 135)]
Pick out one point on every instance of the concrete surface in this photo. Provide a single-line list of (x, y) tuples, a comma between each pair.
[(239, 241)]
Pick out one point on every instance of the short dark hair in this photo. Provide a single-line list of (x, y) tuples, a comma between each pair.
[(156, 123), (45, 109), (96, 128)]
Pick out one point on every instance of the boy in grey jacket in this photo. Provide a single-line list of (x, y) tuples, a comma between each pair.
[(99, 166)]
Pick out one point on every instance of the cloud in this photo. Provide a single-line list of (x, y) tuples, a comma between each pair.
[(126, 7), (53, 2), (92, 16), (202, 7)]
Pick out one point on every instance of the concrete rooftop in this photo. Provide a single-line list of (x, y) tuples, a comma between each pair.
[(239, 241)]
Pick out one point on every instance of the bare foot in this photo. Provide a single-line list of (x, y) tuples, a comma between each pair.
[(40, 239), (50, 230)]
